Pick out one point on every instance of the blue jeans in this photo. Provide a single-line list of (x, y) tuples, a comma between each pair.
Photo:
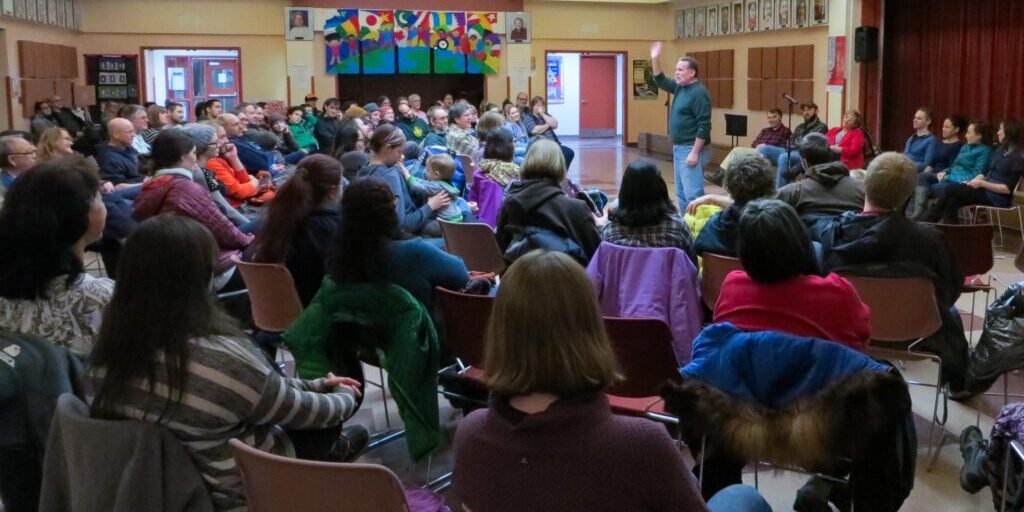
[(738, 498), (689, 180), (782, 160)]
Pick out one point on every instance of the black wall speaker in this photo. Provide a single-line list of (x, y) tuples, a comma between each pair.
[(865, 44)]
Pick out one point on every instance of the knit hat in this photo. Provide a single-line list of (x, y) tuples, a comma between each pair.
[(355, 111), (371, 107), (311, 97)]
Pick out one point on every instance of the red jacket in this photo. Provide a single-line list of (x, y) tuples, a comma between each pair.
[(173, 193), (237, 184), (852, 146)]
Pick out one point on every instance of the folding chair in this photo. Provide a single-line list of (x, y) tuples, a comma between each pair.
[(275, 303), (716, 267), (475, 244), (1014, 451), (643, 347), (276, 483), (972, 250), (467, 167), (903, 314), (465, 319), (992, 212)]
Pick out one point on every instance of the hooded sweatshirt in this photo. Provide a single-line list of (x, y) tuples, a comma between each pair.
[(542, 204), (828, 190), (173, 191)]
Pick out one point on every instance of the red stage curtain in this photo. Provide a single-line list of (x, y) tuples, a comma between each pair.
[(953, 56)]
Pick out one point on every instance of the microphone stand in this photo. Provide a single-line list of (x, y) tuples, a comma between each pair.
[(789, 140)]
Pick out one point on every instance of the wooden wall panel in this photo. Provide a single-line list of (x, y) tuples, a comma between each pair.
[(726, 63), (85, 95), (725, 92), (712, 65), (767, 94), (785, 62), (41, 60), (712, 86), (803, 62), (754, 94), (803, 90), (769, 63), (754, 57), (33, 90), (64, 88)]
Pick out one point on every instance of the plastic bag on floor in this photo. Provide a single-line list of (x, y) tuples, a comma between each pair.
[(1001, 347)]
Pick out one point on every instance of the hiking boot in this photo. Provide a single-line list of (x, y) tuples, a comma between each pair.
[(813, 496), (350, 444), (973, 447)]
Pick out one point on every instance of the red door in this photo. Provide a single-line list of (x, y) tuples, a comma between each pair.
[(597, 96)]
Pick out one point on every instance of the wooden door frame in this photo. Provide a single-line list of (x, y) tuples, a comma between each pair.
[(624, 78), (144, 86)]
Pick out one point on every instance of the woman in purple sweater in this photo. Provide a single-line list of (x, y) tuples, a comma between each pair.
[(548, 441)]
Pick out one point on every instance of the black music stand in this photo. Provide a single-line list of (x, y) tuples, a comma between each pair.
[(735, 127)]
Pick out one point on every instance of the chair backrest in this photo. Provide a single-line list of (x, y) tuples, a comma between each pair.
[(465, 323), (275, 303), (275, 483), (716, 267), (971, 245), (467, 167), (475, 244), (643, 347), (902, 308)]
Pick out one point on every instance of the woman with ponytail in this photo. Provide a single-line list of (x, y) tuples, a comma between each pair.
[(301, 221)]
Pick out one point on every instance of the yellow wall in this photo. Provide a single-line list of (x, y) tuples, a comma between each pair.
[(14, 31)]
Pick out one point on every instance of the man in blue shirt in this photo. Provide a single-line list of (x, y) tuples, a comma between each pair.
[(689, 125), (253, 157), (921, 141)]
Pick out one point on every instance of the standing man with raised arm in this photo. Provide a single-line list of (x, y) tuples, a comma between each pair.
[(689, 125)]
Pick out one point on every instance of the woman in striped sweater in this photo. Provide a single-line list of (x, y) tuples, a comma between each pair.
[(167, 354)]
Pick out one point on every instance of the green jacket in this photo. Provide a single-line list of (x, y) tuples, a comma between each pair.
[(690, 117), (303, 132), (385, 318)]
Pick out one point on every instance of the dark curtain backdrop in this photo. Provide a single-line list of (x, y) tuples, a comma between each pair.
[(954, 56)]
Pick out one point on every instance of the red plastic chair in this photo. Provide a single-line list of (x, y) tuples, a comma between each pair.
[(643, 347), (275, 303), (971, 245), (465, 319), (716, 267)]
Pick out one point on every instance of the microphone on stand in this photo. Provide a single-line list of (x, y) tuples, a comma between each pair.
[(790, 98)]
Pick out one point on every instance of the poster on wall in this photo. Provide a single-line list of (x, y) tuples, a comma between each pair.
[(752, 15), (782, 14), (51, 12), (377, 41), (412, 35), (41, 11), (643, 81), (555, 87), (30, 10), (448, 30), (519, 29), (679, 25), (7, 7), (820, 12), (483, 51), (19, 8), (699, 28), (767, 21), (712, 20), (836, 64), (298, 24), (737, 16), (800, 13), (689, 28), (724, 17), (341, 34)]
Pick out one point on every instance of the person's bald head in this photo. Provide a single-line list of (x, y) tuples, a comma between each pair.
[(121, 131), (232, 125)]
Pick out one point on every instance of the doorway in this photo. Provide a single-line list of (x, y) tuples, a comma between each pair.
[(190, 76), (589, 98)]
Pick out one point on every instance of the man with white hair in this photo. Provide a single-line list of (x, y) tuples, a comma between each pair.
[(17, 155)]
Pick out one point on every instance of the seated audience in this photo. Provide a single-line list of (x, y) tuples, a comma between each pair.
[(993, 188), (48, 218), (159, 118), (460, 137), (300, 223), (66, 117), (118, 160), (780, 275), (302, 124), (386, 147), (258, 119), (17, 156), (387, 115), (540, 125), (355, 114), (239, 185), (350, 149), (438, 136), (537, 214), (208, 136), (176, 113), (944, 151), (372, 118), (168, 354), (171, 190), (514, 124), (974, 157), (327, 124), (788, 162), (137, 115), (54, 144), (848, 141), (253, 157), (414, 128), (43, 119), (372, 247), (548, 361), (952, 160), (278, 125), (775, 134), (828, 189), (498, 154), (646, 216), (922, 141), (416, 103), (747, 178), (882, 242), (438, 174)]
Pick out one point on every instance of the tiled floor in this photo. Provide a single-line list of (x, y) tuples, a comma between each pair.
[(600, 164)]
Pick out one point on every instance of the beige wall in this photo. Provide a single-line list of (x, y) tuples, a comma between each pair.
[(13, 32)]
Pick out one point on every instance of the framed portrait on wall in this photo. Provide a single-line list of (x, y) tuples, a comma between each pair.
[(51, 12), (819, 14), (737, 17), (700, 29), (298, 24), (783, 14), (519, 29), (752, 15), (7, 7), (689, 24), (19, 8), (724, 19), (679, 24), (800, 18), (712, 20), (767, 21), (41, 11), (61, 18), (30, 10)]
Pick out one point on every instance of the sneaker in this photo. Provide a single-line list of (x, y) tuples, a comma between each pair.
[(973, 448), (813, 496), (350, 444)]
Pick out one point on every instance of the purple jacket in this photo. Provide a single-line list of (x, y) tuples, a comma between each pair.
[(488, 195), (657, 283)]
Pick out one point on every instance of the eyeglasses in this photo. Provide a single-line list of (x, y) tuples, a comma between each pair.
[(33, 152)]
